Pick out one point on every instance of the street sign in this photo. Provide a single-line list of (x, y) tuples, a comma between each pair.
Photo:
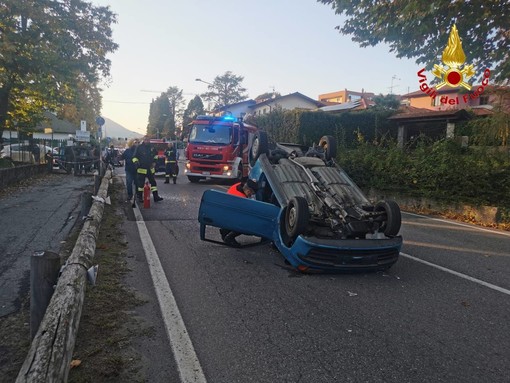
[(83, 125), (82, 136), (100, 120)]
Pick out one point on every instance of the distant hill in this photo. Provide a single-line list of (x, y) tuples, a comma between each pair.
[(115, 130)]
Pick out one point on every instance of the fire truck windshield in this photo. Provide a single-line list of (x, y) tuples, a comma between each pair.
[(210, 134)]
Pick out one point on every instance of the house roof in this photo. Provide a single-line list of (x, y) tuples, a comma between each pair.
[(240, 103), (295, 94), (58, 125), (341, 107), (419, 114), (443, 90)]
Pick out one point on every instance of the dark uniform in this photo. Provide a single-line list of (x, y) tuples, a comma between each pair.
[(143, 158), (49, 161), (171, 167)]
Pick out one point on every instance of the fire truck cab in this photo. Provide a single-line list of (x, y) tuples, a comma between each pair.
[(218, 148)]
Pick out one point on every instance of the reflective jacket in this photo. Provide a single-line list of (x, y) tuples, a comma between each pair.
[(144, 156), (236, 189), (170, 155)]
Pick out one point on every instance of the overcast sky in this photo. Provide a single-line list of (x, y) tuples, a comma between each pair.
[(288, 45)]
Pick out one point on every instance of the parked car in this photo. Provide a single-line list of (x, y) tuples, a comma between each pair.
[(310, 209), (23, 152)]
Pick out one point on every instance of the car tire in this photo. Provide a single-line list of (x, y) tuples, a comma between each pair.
[(391, 226), (328, 143), (259, 146), (297, 216)]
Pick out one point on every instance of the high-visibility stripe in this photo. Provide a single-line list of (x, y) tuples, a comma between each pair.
[(141, 171), (154, 188), (134, 159)]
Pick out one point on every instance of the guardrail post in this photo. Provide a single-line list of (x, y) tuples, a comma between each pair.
[(86, 203), (44, 269)]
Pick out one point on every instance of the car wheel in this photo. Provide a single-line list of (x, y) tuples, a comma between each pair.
[(328, 143), (297, 216), (259, 146), (194, 179), (391, 225)]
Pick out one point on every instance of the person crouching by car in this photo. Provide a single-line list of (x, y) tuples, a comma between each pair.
[(241, 189)]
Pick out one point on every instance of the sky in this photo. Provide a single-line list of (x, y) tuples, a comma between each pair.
[(282, 45)]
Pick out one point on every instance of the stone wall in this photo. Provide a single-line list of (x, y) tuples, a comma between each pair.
[(9, 176), (485, 215)]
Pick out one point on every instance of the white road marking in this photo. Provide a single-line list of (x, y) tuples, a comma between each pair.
[(500, 232), (187, 361), (483, 283)]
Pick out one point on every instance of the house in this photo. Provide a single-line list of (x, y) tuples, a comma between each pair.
[(434, 123), (446, 98), (50, 128), (290, 101), (238, 110), (345, 96), (359, 104)]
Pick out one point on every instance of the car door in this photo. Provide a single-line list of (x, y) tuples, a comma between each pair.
[(243, 215)]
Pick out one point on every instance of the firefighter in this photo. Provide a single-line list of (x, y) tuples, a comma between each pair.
[(171, 167), (144, 159)]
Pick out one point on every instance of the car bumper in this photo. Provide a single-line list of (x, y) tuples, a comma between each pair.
[(310, 253)]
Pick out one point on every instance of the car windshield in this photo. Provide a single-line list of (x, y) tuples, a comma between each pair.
[(210, 134)]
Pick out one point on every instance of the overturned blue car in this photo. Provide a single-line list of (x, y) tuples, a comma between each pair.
[(310, 209)]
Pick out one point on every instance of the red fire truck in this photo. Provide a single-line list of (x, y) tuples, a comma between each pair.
[(159, 146), (218, 148)]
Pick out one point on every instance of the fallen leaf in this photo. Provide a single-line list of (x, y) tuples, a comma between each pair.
[(75, 363)]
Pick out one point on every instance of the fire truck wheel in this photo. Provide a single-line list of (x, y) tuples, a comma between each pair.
[(258, 147), (239, 176), (194, 179)]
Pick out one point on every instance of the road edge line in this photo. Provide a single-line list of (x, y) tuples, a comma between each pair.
[(185, 356)]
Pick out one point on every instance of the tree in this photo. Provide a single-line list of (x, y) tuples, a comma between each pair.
[(176, 102), (420, 29), (159, 112), (387, 102), (195, 107), (267, 96), (225, 90), (164, 113), (52, 53)]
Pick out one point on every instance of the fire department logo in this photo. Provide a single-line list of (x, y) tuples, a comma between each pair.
[(455, 73)]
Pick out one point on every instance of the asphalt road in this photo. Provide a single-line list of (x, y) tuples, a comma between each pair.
[(252, 319), (35, 217)]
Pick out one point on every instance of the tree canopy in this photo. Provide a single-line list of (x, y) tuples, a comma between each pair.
[(52, 56), (165, 113), (420, 29), (194, 108), (225, 90)]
